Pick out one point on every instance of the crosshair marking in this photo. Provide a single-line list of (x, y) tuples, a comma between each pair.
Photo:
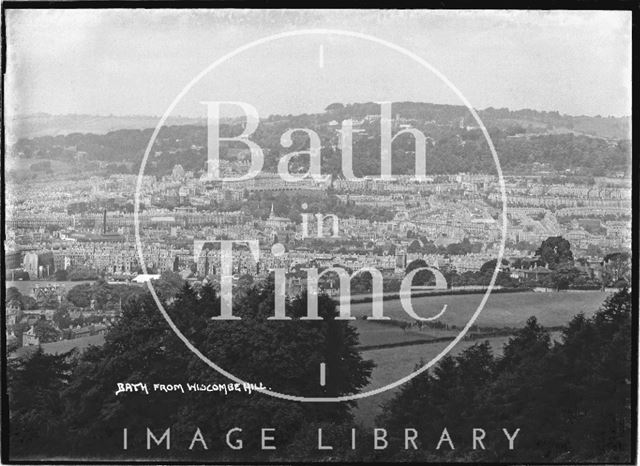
[(323, 374), (321, 57), (424, 64)]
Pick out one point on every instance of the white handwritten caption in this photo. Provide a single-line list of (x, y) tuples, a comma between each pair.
[(225, 388)]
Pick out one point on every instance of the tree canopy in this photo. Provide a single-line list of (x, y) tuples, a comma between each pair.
[(555, 251), (283, 355), (571, 397), (421, 278)]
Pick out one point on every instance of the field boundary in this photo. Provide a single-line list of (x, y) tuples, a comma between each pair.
[(396, 296)]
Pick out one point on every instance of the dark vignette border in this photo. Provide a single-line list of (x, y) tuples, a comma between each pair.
[(627, 5)]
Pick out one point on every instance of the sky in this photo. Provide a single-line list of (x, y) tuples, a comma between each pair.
[(137, 61)]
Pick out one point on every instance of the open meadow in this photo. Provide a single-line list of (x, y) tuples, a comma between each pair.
[(512, 310), (502, 311)]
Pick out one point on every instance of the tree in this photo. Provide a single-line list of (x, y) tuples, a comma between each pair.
[(35, 386), (103, 295), (617, 266), (62, 318), (488, 267), (13, 293), (464, 247), (169, 284), (362, 282), (445, 397), (283, 355), (245, 281), (554, 251), (29, 303), (414, 246), (595, 357), (573, 398), (45, 332), (335, 107), (80, 295), (565, 276), (422, 278), (26, 302), (529, 344)]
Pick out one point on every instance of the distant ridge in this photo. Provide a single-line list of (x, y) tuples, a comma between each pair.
[(615, 128), (43, 124)]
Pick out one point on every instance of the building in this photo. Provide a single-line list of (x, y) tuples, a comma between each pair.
[(401, 259), (14, 312), (276, 222), (30, 264), (47, 294), (12, 259), (29, 338)]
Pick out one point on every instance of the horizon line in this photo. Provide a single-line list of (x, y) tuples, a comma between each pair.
[(203, 117)]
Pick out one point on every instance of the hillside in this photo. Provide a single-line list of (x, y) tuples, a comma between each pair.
[(526, 141), (533, 121), (43, 124)]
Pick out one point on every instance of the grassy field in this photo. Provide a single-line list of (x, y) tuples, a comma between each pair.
[(372, 334), (501, 310)]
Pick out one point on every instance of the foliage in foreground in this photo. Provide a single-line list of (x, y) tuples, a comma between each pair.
[(571, 400)]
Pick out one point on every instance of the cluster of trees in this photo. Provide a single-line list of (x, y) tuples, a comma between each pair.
[(563, 151), (64, 322), (26, 302), (571, 400), (76, 394), (43, 329), (411, 110), (456, 149), (565, 271), (609, 127), (553, 254), (483, 276), (425, 246), (492, 117), (617, 269), (101, 295)]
